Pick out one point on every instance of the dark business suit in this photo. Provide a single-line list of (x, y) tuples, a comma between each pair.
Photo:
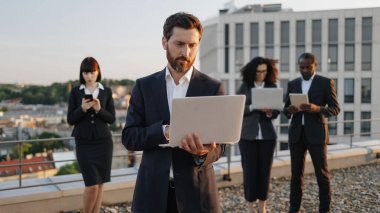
[(148, 111), (94, 146), (312, 136), (256, 154)]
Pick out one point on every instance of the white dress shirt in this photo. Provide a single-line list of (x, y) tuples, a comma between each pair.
[(259, 135), (176, 91), (96, 91), (305, 89)]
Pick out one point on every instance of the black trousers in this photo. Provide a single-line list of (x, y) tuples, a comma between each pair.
[(318, 156), (256, 159), (172, 201)]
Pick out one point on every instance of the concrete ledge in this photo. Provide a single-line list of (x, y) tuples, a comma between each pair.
[(68, 196)]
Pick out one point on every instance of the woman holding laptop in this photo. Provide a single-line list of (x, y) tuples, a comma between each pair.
[(258, 135)]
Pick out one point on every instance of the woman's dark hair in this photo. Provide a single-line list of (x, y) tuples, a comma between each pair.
[(182, 20), (89, 64), (248, 72)]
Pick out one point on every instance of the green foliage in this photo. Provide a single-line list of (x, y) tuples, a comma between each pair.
[(9, 91), (69, 169), (49, 95), (3, 109), (25, 149), (38, 147)]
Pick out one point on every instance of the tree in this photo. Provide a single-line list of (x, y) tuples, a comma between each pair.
[(69, 169), (25, 149), (38, 147)]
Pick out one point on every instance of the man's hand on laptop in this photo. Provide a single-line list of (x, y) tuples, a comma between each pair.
[(192, 144)]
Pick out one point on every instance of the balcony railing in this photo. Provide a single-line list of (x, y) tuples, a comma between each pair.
[(136, 155)]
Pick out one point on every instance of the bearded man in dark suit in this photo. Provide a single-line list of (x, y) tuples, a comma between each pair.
[(177, 179)]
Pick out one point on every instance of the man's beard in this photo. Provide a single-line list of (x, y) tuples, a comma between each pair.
[(179, 64)]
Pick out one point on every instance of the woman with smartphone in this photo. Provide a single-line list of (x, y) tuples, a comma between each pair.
[(91, 110)]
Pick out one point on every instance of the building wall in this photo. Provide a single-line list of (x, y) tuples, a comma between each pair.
[(231, 79)]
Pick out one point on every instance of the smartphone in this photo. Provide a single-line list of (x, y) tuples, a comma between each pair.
[(88, 97)]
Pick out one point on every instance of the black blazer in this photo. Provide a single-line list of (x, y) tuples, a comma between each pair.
[(322, 93), (90, 126), (195, 185), (252, 119)]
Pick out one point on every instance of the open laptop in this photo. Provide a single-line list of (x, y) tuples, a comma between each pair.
[(214, 118), (267, 98)]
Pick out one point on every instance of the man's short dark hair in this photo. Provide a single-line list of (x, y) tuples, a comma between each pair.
[(308, 56), (182, 20)]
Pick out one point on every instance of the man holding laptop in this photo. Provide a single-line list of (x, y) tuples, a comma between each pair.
[(309, 131), (187, 168)]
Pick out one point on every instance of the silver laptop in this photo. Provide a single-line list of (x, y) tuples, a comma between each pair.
[(267, 98), (214, 118)]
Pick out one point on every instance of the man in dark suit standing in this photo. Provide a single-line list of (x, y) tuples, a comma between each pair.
[(177, 179), (309, 131)]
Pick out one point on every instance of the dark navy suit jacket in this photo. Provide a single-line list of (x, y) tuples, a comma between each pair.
[(148, 111), (322, 93)]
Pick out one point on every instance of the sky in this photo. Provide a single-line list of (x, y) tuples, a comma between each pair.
[(44, 41)]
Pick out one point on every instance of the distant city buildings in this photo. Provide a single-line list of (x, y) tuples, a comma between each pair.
[(346, 43)]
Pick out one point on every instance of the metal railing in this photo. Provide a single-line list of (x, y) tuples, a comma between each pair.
[(117, 138)]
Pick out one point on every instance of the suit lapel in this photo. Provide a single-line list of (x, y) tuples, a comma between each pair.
[(196, 86), (101, 96), (299, 85), (159, 84), (313, 85)]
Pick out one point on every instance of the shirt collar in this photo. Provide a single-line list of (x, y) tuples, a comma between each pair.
[(100, 86), (261, 86), (187, 76)]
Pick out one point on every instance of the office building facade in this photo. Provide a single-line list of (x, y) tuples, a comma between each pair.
[(346, 43)]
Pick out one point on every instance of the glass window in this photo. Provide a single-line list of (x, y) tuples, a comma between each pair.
[(367, 29), (284, 32), (269, 52), (349, 30), (332, 57), (254, 52), (284, 121), (333, 127), (299, 50), (333, 30), (367, 57), (269, 33), (348, 124), (365, 126), (239, 42), (239, 36), (284, 86), (349, 57), (317, 51), (316, 31), (255, 34), (239, 58), (366, 90), (349, 90), (284, 59), (300, 32), (226, 48), (269, 39)]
